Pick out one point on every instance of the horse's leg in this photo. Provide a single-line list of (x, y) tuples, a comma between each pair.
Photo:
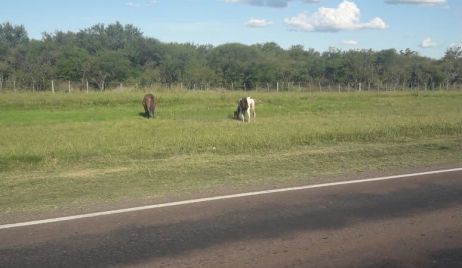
[(151, 107), (146, 112)]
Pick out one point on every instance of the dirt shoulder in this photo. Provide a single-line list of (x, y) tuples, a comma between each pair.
[(91, 207)]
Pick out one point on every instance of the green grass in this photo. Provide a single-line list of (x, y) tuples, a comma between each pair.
[(71, 149)]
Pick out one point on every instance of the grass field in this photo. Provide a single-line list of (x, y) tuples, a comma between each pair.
[(68, 150)]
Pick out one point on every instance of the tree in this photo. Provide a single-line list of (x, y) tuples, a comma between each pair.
[(107, 66), (115, 52), (73, 63), (235, 63), (12, 36), (452, 65)]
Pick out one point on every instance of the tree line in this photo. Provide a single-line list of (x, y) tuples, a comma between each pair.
[(102, 54)]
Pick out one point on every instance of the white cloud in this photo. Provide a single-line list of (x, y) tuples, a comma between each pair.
[(270, 3), (133, 4), (350, 42), (415, 2), (345, 17), (258, 23), (428, 43), (455, 45), (138, 4)]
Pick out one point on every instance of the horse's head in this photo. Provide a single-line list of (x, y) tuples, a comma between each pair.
[(243, 104)]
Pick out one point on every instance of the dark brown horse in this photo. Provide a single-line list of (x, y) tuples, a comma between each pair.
[(149, 105)]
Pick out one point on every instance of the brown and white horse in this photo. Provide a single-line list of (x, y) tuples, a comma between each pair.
[(245, 107), (149, 105)]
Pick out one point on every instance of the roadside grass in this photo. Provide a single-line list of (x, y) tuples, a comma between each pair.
[(65, 150)]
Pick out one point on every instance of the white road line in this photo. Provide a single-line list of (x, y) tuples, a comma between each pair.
[(200, 200)]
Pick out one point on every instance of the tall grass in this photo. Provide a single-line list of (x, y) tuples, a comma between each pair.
[(55, 135), (79, 126)]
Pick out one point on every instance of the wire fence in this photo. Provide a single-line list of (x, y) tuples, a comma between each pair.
[(314, 86)]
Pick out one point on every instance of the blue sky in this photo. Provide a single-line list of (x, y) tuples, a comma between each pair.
[(426, 26)]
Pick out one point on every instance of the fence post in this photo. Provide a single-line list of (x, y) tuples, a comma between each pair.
[(277, 86), (69, 86), (53, 86), (87, 86), (14, 85)]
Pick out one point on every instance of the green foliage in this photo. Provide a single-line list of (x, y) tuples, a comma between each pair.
[(12, 36), (73, 64), (116, 53), (107, 66)]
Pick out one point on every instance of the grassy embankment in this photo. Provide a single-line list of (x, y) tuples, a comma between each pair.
[(65, 150)]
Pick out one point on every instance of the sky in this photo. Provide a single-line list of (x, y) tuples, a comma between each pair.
[(429, 27)]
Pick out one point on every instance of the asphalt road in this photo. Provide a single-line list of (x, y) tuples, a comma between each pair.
[(411, 222)]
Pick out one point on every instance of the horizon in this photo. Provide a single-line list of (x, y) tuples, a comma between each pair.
[(428, 27)]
